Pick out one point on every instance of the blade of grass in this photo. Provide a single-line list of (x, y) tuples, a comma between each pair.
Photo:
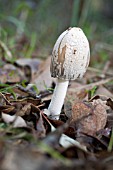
[(91, 92), (8, 89), (85, 12), (6, 50), (75, 13), (110, 146), (32, 45), (55, 154)]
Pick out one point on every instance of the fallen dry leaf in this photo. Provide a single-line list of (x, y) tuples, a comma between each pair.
[(16, 120), (89, 117), (43, 78), (74, 95), (103, 90), (7, 108), (32, 63), (8, 118), (41, 131), (30, 66), (26, 109), (10, 74), (19, 122)]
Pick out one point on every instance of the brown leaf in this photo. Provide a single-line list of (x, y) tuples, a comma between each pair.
[(74, 95), (102, 90), (41, 131), (70, 131), (26, 100), (89, 117), (6, 108), (43, 76), (110, 103), (32, 63), (31, 114), (25, 110), (11, 74), (29, 66), (74, 152)]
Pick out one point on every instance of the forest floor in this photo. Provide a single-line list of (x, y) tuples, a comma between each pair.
[(83, 136)]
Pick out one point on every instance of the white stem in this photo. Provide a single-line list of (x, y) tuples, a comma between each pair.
[(58, 98)]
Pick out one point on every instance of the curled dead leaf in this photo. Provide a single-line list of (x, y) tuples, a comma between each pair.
[(89, 117), (41, 130), (25, 110), (6, 108), (16, 120), (19, 122)]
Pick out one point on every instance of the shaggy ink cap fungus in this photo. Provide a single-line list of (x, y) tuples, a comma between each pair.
[(70, 56), (69, 61)]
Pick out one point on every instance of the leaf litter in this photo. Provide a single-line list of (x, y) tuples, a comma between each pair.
[(82, 138)]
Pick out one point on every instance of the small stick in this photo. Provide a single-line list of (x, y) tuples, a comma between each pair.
[(99, 71), (91, 85)]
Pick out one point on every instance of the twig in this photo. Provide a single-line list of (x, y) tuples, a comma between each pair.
[(100, 45), (99, 71), (107, 64), (91, 85), (7, 102)]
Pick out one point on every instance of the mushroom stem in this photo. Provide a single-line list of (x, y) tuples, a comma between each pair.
[(58, 97)]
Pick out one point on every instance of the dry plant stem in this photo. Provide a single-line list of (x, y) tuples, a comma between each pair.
[(7, 102), (58, 98), (91, 85), (99, 71)]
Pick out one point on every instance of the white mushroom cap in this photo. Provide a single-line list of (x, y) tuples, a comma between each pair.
[(71, 55)]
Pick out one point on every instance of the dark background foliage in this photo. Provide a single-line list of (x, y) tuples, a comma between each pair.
[(41, 21)]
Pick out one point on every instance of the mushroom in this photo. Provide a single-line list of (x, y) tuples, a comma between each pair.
[(70, 59)]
